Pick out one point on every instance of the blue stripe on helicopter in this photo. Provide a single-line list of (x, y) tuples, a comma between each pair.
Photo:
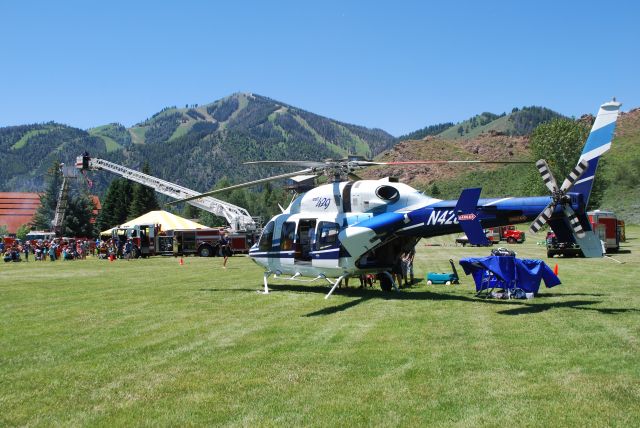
[(331, 254), (272, 254)]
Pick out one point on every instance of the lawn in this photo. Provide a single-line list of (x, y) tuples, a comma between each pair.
[(150, 342)]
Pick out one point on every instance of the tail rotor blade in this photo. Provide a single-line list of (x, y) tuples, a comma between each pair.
[(547, 177), (573, 220), (575, 174), (542, 218)]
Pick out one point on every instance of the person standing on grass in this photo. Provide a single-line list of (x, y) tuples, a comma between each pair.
[(26, 248), (128, 248), (225, 248), (52, 252)]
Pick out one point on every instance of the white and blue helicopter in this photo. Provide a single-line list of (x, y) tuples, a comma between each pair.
[(351, 227)]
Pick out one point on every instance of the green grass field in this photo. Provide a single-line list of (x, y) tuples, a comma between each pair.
[(150, 342)]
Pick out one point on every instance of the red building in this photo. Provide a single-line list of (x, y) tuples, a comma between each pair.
[(17, 208)]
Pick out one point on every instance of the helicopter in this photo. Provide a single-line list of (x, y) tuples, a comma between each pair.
[(350, 227)]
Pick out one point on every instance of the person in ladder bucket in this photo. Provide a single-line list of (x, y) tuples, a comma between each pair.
[(225, 248)]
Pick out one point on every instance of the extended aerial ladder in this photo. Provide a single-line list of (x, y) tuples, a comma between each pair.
[(238, 218), (63, 196)]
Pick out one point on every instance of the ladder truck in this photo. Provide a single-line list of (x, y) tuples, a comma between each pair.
[(238, 218)]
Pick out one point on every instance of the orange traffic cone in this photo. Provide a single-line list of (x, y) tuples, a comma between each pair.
[(181, 261), (555, 269)]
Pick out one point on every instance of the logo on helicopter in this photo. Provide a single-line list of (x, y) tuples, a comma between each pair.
[(322, 202), (466, 217)]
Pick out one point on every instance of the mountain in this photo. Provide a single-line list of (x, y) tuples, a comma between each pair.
[(194, 146), (519, 122), (264, 119)]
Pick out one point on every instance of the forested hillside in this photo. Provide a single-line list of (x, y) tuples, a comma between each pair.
[(27, 151), (195, 146)]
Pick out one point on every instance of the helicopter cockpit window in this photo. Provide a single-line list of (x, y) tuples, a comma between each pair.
[(388, 193), (287, 235), (266, 238), (327, 235)]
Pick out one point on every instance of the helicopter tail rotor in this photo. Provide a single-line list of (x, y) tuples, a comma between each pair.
[(559, 196)]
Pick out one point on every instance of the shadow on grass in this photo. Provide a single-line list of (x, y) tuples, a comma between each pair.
[(543, 295), (621, 251), (524, 307)]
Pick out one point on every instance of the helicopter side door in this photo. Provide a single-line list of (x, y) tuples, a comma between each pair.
[(326, 250), (304, 240)]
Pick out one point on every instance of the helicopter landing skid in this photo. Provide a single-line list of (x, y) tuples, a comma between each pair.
[(334, 284)]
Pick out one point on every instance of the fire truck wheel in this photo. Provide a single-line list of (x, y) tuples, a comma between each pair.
[(511, 240), (205, 251)]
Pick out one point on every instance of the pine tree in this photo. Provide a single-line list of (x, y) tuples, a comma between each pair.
[(77, 221), (115, 209), (435, 191), (48, 200)]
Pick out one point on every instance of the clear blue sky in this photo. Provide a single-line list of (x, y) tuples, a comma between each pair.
[(396, 65)]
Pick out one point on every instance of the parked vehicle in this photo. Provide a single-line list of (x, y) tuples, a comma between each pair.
[(506, 233), (557, 248), (606, 225)]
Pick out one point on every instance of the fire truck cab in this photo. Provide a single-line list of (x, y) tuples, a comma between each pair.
[(143, 237)]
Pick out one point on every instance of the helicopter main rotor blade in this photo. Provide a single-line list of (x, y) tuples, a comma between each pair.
[(241, 185), (429, 162), (305, 164)]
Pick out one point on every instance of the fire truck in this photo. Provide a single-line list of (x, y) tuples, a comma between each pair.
[(506, 233), (206, 242), (149, 241), (497, 234), (606, 225)]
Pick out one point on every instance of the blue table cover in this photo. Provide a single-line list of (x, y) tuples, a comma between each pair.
[(509, 272)]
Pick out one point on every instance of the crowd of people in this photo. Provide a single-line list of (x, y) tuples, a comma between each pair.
[(41, 250)]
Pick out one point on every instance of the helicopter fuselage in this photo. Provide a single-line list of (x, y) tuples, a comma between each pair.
[(351, 228)]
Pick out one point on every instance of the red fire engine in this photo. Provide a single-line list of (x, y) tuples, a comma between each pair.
[(506, 233), (206, 242)]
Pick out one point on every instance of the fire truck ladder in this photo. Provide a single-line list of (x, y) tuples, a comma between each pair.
[(63, 196), (238, 218)]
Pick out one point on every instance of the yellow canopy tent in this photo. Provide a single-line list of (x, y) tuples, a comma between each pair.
[(166, 220)]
